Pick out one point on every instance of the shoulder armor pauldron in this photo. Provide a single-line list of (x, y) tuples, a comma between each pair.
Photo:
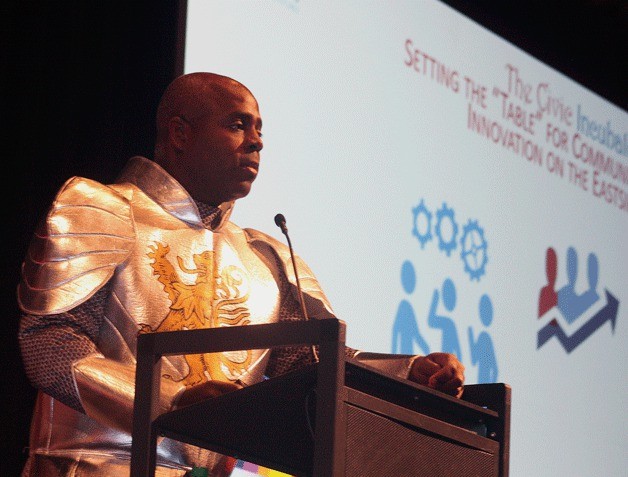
[(316, 301), (87, 233)]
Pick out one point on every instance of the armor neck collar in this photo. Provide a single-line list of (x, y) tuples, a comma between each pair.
[(164, 189)]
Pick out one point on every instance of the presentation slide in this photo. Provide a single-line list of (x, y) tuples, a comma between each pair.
[(451, 193)]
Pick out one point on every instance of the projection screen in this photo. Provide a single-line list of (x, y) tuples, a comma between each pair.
[(451, 193)]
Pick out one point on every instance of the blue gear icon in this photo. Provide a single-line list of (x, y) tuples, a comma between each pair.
[(473, 245), (445, 213), (416, 213)]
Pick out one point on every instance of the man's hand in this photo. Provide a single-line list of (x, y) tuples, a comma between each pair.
[(204, 391), (440, 371)]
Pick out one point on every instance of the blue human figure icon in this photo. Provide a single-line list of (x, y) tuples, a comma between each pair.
[(590, 296), (482, 351), (567, 294), (446, 324), (570, 303), (405, 327)]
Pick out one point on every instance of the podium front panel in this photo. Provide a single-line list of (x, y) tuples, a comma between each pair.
[(381, 445)]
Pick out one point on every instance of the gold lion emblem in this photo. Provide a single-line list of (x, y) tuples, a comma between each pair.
[(214, 300)]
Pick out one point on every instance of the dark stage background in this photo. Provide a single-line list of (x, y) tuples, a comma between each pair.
[(84, 78)]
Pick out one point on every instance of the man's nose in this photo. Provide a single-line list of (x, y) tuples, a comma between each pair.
[(255, 142)]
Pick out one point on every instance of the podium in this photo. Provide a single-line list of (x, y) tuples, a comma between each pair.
[(337, 417)]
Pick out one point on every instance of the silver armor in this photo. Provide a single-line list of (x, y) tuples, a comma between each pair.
[(110, 262)]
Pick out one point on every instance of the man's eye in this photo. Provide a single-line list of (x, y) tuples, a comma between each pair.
[(259, 133), (236, 126)]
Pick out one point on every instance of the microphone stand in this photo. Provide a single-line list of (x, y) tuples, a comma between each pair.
[(280, 221)]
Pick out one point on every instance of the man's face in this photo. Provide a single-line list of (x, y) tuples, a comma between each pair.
[(221, 155)]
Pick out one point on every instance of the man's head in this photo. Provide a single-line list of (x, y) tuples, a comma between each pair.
[(209, 136)]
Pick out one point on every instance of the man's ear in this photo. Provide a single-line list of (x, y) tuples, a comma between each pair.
[(178, 130)]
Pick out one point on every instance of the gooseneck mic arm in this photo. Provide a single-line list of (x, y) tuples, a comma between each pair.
[(280, 221)]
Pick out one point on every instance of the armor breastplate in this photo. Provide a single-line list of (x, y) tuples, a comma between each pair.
[(179, 277)]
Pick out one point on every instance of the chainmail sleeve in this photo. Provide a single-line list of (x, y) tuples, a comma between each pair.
[(289, 358), (50, 344)]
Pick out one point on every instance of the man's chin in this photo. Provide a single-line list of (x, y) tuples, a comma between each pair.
[(241, 191)]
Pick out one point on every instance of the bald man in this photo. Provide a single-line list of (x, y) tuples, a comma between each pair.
[(155, 251)]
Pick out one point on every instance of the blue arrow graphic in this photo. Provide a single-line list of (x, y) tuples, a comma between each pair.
[(608, 313)]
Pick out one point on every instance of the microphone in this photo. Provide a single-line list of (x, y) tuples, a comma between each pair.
[(280, 221)]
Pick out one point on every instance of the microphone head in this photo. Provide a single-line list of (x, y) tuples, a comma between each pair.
[(280, 221)]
